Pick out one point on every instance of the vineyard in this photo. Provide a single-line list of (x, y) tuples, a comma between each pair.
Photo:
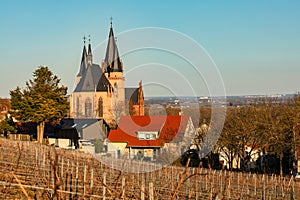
[(33, 171)]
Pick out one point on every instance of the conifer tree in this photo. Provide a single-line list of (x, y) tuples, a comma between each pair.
[(42, 100), (8, 126)]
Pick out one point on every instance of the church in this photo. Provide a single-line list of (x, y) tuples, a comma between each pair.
[(100, 88)]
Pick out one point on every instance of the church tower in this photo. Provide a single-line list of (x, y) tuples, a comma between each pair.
[(112, 66)]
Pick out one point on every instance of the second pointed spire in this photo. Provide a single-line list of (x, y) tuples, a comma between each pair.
[(90, 55)]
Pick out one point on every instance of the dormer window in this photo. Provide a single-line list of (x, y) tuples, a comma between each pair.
[(147, 135)]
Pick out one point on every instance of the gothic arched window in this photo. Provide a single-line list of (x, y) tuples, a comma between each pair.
[(116, 91), (88, 107), (77, 106), (100, 107)]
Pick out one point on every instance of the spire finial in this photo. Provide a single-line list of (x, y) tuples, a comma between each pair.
[(111, 19), (89, 39), (84, 39)]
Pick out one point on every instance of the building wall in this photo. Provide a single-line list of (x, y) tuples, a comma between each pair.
[(113, 103), (116, 79), (107, 106), (62, 143), (77, 104), (147, 153), (138, 108), (78, 100), (113, 147), (94, 132)]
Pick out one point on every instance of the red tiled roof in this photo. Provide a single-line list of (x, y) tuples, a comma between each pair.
[(170, 128)]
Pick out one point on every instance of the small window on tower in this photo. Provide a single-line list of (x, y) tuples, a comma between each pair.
[(100, 107)]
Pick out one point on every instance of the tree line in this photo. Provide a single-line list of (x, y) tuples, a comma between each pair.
[(268, 128)]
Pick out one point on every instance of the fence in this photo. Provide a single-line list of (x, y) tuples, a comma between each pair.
[(29, 170)]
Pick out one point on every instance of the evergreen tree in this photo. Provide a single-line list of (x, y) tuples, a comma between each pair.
[(8, 126), (43, 100), (98, 146)]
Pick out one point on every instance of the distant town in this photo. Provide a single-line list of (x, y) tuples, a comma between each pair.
[(219, 101)]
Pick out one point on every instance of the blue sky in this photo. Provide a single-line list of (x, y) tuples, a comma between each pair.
[(255, 44)]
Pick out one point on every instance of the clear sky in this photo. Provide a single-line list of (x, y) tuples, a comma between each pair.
[(255, 44)]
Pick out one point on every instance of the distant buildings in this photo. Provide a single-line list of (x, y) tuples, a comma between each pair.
[(4, 108)]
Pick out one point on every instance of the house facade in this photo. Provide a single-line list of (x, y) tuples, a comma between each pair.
[(150, 137)]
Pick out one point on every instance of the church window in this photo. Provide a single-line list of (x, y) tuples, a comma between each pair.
[(88, 108), (77, 106), (116, 90), (100, 107)]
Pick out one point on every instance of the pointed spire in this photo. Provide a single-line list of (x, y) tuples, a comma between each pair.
[(90, 55), (111, 19), (112, 60), (90, 48), (83, 64)]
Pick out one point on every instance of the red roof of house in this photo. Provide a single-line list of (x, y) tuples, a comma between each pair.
[(170, 128)]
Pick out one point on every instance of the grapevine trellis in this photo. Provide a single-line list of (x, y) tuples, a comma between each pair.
[(34, 171)]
